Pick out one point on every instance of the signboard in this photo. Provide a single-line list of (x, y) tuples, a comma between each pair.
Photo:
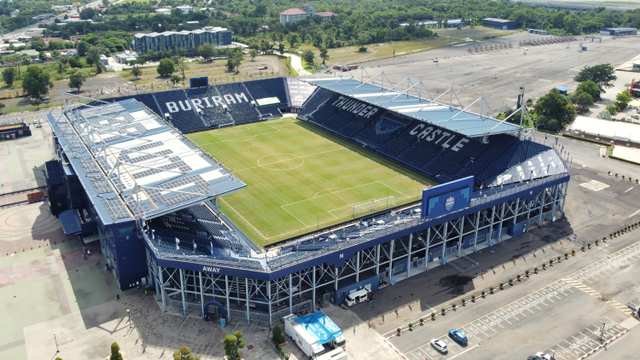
[(446, 198), (199, 81)]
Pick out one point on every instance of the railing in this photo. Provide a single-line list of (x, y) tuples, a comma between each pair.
[(404, 222)]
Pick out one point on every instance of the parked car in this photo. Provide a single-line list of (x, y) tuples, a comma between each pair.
[(439, 345), (458, 336), (543, 356), (45, 98)]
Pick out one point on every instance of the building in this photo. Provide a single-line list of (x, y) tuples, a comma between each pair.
[(185, 9), (451, 23), (501, 24), (163, 11), (305, 11), (12, 131), (155, 206), (124, 58), (15, 13), (618, 31), (167, 40)]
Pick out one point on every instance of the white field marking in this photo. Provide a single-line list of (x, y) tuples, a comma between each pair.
[(295, 217), (242, 138), (245, 220), (331, 193), (635, 213), (297, 157), (316, 195), (594, 185), (469, 349), (629, 189), (280, 161)]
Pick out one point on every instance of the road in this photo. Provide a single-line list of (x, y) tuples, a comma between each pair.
[(296, 63)]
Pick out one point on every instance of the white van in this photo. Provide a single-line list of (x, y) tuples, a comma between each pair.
[(358, 296)]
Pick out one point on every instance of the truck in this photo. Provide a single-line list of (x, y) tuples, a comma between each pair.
[(358, 296), (316, 335)]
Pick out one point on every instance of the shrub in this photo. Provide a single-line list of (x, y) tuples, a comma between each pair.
[(559, 257), (550, 262), (566, 256), (597, 242), (527, 272), (582, 248), (518, 276), (443, 310), (544, 265), (535, 269), (398, 330), (510, 281), (410, 326), (421, 321), (501, 285), (277, 335), (433, 315), (463, 301), (454, 305), (473, 298), (573, 252), (483, 292), (491, 289)]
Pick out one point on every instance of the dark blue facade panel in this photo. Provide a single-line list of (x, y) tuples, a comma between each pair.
[(445, 198)]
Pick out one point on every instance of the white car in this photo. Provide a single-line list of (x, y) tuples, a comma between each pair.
[(439, 345), (544, 356)]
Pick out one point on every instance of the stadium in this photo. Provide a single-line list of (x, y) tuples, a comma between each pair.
[(226, 205)]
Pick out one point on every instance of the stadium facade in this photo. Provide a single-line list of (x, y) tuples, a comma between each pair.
[(151, 195), (182, 40)]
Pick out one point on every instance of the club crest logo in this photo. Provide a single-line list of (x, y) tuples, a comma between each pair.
[(449, 203)]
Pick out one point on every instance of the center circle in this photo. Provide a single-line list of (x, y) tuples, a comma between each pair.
[(280, 162)]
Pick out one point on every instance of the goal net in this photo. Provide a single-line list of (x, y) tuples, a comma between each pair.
[(373, 205), (275, 120)]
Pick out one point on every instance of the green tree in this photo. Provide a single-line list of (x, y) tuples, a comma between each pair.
[(181, 65), (232, 343), (292, 39), (253, 53), (324, 55), (61, 67), (115, 352), (77, 78), (87, 13), (38, 44), (572, 24), (166, 67), (554, 106), (612, 109), (184, 354), (281, 48), (2, 105), (206, 51), (136, 71), (622, 100), (175, 79), (234, 59), (9, 76), (277, 335), (93, 55), (36, 81), (603, 75), (308, 56), (582, 101), (590, 88), (83, 47)]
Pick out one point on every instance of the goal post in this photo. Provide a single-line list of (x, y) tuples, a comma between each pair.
[(275, 120), (373, 205)]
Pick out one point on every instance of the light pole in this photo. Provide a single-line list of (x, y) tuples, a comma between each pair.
[(129, 313), (602, 331), (56, 341)]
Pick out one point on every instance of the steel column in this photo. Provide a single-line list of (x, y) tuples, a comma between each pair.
[(182, 286), (426, 251), (409, 255), (201, 293), (313, 288), (269, 297), (378, 259), (445, 234), (391, 248), (460, 237), (226, 290), (358, 266), (475, 235), (163, 293), (246, 291), (493, 215), (291, 295)]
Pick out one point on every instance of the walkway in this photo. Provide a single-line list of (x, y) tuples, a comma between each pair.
[(296, 63)]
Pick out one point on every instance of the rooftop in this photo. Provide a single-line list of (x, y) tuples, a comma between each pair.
[(450, 117), (325, 13), (132, 163), (294, 11), (499, 20)]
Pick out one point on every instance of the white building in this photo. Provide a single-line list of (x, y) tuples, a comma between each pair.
[(164, 11), (305, 11), (15, 13), (185, 9)]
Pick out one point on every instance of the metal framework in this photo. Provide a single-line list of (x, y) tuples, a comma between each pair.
[(395, 260)]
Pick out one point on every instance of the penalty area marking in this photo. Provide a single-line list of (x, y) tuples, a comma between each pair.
[(243, 219)]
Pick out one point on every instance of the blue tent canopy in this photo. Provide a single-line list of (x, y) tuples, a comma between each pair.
[(70, 222), (318, 324)]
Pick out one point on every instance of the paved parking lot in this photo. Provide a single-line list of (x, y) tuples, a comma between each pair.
[(535, 305)]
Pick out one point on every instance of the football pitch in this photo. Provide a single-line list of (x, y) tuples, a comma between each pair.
[(300, 178)]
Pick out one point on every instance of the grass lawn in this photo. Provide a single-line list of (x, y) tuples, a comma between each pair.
[(300, 178), (446, 37)]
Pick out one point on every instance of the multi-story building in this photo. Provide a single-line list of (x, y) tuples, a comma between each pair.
[(305, 11), (167, 40)]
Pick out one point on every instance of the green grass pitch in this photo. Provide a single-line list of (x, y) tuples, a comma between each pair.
[(300, 178)]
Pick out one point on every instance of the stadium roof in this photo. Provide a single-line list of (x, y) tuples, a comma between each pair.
[(452, 118), (131, 163)]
